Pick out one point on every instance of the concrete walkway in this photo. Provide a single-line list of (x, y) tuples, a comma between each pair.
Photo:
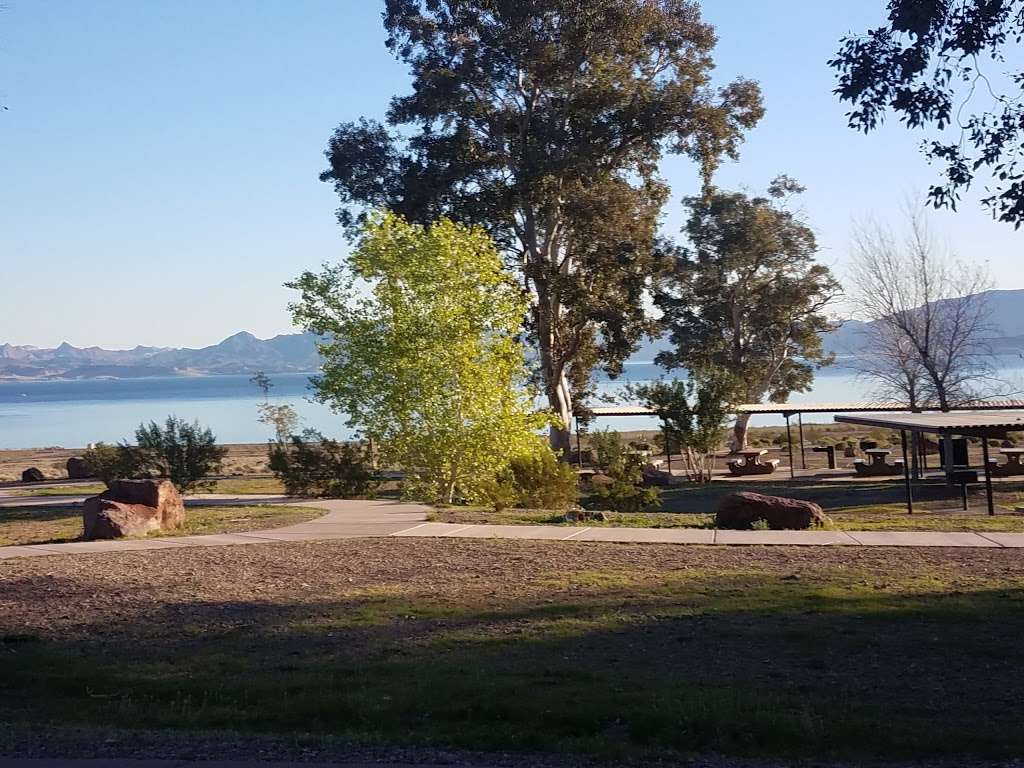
[(352, 519)]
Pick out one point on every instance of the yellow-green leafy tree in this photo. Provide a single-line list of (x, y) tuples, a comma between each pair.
[(421, 352)]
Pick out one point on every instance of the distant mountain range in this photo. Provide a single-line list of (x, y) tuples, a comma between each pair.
[(241, 353), (1006, 323), (296, 352), (849, 339)]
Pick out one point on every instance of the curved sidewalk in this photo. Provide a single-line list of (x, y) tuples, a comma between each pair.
[(353, 519)]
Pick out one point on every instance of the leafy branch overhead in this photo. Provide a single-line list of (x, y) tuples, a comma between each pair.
[(942, 63)]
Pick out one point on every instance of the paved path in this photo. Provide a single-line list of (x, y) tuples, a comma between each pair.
[(351, 519)]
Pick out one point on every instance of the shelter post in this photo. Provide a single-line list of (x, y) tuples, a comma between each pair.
[(789, 444), (988, 476), (906, 473), (800, 425)]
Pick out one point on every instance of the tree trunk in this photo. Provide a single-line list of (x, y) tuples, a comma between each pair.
[(560, 402), (556, 385), (739, 431)]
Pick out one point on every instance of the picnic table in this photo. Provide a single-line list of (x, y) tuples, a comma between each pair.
[(879, 465), (752, 464), (1012, 465)]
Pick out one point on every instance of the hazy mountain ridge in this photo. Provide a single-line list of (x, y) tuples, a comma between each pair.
[(240, 353), (850, 337), (296, 352)]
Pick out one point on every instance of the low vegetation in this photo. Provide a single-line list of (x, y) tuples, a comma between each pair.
[(618, 651), (50, 525), (313, 466)]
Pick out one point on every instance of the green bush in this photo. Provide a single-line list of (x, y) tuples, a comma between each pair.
[(543, 482), (184, 453), (625, 492), (312, 465), (535, 481), (607, 447), (625, 496), (113, 462)]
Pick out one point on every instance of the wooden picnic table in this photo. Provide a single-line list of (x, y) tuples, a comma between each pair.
[(1012, 465), (878, 465), (1013, 455)]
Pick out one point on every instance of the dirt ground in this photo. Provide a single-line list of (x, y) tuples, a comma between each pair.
[(126, 589)]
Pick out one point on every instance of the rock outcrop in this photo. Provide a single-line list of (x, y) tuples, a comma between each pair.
[(742, 510), (32, 475), (133, 508)]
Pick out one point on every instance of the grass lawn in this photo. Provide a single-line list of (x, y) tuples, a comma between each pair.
[(233, 485), (876, 518), (42, 525), (603, 649)]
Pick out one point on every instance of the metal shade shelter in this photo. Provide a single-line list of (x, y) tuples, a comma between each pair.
[(973, 423), (788, 410)]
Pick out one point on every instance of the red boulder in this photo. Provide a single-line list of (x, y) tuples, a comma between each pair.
[(742, 510)]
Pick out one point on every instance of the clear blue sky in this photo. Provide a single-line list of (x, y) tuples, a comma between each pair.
[(159, 160)]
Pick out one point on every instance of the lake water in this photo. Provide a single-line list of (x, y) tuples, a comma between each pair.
[(74, 413)]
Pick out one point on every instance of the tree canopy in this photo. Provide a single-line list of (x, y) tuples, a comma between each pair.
[(421, 352), (544, 122), (942, 63), (745, 297)]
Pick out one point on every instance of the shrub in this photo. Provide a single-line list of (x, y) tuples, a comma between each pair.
[(534, 481), (625, 492), (607, 446), (113, 462), (184, 453), (312, 465), (543, 482)]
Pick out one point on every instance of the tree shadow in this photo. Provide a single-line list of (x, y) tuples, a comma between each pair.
[(704, 665)]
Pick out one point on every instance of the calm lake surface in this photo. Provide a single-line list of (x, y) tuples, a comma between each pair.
[(72, 414)]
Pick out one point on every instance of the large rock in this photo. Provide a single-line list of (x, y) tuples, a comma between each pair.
[(107, 519), (742, 510), (32, 475), (78, 468), (133, 508)]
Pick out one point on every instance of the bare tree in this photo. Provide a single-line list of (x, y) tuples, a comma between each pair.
[(888, 360), (927, 312)]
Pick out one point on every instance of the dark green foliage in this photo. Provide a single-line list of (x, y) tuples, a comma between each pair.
[(746, 298), (184, 453), (927, 64), (607, 448), (536, 481), (315, 466), (626, 492), (544, 482), (545, 121), (693, 414), (113, 462)]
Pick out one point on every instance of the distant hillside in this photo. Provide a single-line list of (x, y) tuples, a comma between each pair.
[(296, 352), (241, 353), (1007, 322)]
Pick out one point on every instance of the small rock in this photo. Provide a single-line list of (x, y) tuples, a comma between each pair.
[(32, 475)]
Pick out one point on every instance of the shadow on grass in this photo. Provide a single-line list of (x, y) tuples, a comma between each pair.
[(696, 664), (829, 495)]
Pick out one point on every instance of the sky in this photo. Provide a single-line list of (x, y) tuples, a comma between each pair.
[(159, 161)]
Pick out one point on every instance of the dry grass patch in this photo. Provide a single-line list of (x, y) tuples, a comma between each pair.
[(50, 525)]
